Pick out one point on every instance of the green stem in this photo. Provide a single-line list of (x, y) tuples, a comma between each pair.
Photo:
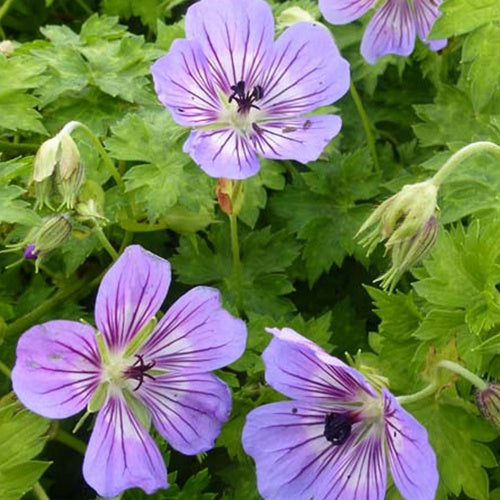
[(127, 239), (39, 492), (425, 392), (29, 319), (460, 156), (5, 8), (142, 227), (235, 249), (21, 146), (463, 372), (69, 127), (367, 126), (4, 369), (85, 7), (69, 440), (105, 243)]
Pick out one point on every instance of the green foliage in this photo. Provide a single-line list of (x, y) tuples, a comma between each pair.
[(20, 74), (457, 438), (23, 436), (300, 265), (164, 176), (326, 207), (264, 258), (463, 16)]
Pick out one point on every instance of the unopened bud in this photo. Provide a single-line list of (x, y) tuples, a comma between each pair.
[(57, 163), (230, 195), (408, 252), (54, 231), (6, 48), (70, 174), (408, 224), (488, 402)]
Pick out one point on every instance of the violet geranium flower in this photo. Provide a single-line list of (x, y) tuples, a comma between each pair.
[(135, 371), (244, 94), (393, 28), (334, 439)]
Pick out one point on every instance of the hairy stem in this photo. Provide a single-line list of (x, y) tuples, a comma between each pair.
[(235, 249), (69, 440), (105, 243), (367, 126), (39, 492), (463, 372), (460, 156), (425, 392)]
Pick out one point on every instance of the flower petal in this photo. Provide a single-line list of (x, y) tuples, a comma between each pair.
[(57, 368), (411, 458), (196, 334), (121, 454), (184, 84), (222, 153), (306, 71), (426, 13), (130, 294), (344, 11), (287, 443), (390, 31), (235, 37), (187, 409), (359, 470), (300, 369), (301, 139)]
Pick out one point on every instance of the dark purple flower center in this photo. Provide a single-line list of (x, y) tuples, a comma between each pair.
[(337, 428), (245, 100), (139, 370)]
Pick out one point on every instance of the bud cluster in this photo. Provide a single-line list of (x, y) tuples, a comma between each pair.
[(408, 223)]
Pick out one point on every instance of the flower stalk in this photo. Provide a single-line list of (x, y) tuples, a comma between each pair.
[(235, 249), (461, 155), (367, 126)]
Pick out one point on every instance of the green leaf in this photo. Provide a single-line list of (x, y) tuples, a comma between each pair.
[(23, 436), (165, 176), (264, 258), (462, 16), (12, 209), (255, 198), (456, 437), (19, 75), (452, 120), (326, 207), (482, 58), (463, 271)]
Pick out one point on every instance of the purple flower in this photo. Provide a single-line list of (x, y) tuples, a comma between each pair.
[(246, 95), (136, 371), (392, 29), (333, 440)]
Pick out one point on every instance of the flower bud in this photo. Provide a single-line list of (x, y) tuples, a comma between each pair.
[(408, 223), (230, 195), (57, 163), (488, 402), (54, 231), (6, 48), (70, 174)]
